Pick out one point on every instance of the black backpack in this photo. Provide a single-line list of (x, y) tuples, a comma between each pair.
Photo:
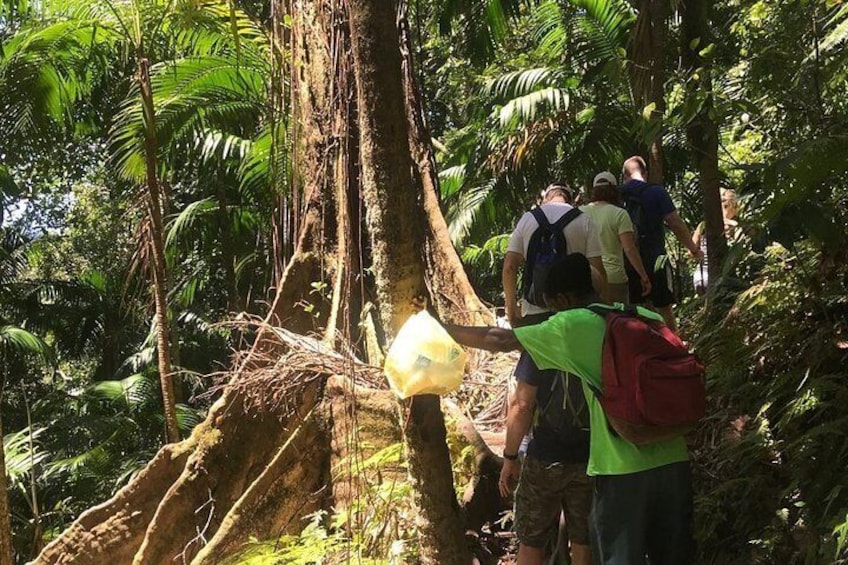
[(633, 205), (547, 244), (566, 412)]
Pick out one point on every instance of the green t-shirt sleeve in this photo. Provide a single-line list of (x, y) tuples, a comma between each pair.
[(546, 343), (625, 224)]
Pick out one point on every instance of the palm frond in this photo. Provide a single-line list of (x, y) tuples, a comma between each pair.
[(529, 108), (188, 218), (601, 30), (451, 181), (205, 104), (465, 207), (15, 338), (549, 30), (836, 32), (141, 359), (521, 83), (46, 71), (131, 393), (479, 25), (23, 453)]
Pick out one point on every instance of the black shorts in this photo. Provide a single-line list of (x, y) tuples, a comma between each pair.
[(659, 270), (649, 513)]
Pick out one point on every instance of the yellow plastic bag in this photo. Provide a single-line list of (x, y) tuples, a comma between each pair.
[(424, 359)]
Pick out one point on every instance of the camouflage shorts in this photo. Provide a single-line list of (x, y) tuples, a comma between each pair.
[(544, 491)]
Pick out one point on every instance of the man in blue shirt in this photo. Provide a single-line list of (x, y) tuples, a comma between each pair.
[(651, 210)]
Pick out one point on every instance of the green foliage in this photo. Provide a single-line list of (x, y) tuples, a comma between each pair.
[(519, 93), (22, 456), (314, 545), (377, 527), (483, 264), (381, 517), (778, 438), (15, 338)]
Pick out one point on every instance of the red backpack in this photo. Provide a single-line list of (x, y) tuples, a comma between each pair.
[(652, 387)]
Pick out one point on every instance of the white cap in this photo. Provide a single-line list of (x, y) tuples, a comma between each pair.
[(605, 179)]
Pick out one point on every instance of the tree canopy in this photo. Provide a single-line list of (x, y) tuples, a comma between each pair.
[(171, 170)]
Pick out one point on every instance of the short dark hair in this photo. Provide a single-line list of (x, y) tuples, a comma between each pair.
[(606, 193), (570, 275)]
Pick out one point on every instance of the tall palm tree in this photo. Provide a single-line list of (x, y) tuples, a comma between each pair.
[(55, 64)]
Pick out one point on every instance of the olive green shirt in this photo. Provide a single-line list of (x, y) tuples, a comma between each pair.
[(610, 222)]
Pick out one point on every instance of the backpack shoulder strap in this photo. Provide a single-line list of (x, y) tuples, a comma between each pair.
[(559, 227), (600, 310), (541, 218), (604, 312)]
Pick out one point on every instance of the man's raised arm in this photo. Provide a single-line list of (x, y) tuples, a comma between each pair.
[(484, 337)]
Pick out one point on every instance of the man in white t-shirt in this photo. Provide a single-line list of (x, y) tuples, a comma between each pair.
[(580, 237), (561, 456)]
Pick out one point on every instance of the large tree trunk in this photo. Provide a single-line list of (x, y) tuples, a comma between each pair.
[(157, 247), (390, 192), (647, 74), (5, 525), (258, 465), (702, 132), (283, 442), (450, 288)]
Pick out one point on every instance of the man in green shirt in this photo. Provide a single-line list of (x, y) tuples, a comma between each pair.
[(642, 505)]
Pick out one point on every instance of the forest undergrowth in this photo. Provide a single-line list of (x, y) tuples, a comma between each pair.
[(769, 458)]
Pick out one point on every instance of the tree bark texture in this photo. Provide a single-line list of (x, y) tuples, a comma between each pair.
[(247, 471), (702, 132), (388, 186), (113, 531), (157, 247), (317, 290), (647, 74), (393, 214), (450, 288)]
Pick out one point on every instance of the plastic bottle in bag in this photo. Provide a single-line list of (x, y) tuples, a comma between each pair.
[(424, 359)]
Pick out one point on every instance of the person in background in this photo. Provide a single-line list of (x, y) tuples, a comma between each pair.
[(729, 209), (580, 236), (615, 234), (651, 210)]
